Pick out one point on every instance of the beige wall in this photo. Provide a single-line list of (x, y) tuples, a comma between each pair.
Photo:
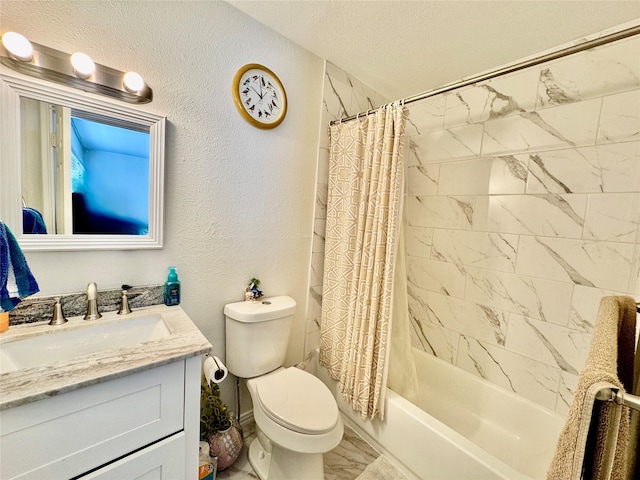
[(238, 200)]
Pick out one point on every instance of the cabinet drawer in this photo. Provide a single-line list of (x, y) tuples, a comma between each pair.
[(67, 435), (161, 461)]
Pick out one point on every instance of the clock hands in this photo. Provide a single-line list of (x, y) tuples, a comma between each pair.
[(264, 87), (261, 83), (259, 94)]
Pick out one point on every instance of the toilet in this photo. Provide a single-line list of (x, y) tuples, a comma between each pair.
[(297, 418)]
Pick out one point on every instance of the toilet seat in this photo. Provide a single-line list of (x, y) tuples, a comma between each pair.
[(298, 401)]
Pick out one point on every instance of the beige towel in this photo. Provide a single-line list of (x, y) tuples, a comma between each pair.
[(609, 363)]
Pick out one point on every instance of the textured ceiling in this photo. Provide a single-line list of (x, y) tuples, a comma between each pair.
[(401, 48)]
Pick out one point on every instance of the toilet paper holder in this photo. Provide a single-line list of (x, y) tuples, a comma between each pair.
[(219, 374), (214, 368)]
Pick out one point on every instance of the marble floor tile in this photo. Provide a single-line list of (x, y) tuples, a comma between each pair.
[(350, 458), (241, 470), (345, 462)]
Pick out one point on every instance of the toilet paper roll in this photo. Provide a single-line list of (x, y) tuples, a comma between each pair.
[(214, 370)]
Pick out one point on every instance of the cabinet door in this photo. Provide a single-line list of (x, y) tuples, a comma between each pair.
[(161, 461), (78, 431)]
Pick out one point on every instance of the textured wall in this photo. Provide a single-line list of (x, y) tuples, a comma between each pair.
[(238, 200), (523, 209)]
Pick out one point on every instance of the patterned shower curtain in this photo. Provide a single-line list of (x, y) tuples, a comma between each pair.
[(365, 189)]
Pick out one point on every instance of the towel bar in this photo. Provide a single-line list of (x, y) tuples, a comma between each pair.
[(615, 395)]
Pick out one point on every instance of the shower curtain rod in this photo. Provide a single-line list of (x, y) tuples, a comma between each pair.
[(596, 42)]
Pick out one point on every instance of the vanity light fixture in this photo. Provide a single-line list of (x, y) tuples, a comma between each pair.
[(18, 46), (77, 70), (83, 65), (132, 82)]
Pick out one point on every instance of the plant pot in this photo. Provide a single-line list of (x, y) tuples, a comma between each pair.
[(226, 445)]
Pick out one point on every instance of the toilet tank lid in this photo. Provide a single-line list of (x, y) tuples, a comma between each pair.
[(262, 310)]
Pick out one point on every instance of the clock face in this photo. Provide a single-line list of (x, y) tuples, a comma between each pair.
[(259, 96)]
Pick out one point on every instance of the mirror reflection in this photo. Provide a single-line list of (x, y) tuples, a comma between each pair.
[(91, 169), (82, 173)]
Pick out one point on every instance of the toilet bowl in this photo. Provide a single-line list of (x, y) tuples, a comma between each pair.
[(297, 418)]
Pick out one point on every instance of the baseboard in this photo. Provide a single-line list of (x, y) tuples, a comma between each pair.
[(246, 418)]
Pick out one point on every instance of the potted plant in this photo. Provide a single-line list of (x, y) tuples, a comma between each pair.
[(218, 427), (251, 291)]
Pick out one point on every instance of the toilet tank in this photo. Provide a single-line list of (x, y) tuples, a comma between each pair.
[(257, 335)]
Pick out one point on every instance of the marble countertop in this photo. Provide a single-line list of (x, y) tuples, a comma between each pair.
[(40, 382)]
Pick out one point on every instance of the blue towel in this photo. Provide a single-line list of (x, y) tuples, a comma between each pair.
[(16, 280), (32, 221)]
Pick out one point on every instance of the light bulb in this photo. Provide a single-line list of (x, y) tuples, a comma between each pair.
[(133, 82), (83, 66), (18, 46)]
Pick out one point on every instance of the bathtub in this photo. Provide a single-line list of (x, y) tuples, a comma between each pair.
[(465, 427)]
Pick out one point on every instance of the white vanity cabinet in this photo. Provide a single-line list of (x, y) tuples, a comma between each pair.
[(141, 425)]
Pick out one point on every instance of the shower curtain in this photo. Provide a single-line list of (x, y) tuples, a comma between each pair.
[(365, 189), (403, 378)]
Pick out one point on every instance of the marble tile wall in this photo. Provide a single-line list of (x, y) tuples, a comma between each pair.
[(523, 210), (343, 95)]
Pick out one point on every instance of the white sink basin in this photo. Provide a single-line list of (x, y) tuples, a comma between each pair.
[(84, 340)]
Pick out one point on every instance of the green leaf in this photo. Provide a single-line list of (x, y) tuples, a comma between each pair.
[(214, 413)]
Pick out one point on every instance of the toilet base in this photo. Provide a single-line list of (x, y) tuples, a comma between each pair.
[(259, 459), (282, 464)]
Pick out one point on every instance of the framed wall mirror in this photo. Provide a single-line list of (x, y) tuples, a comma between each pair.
[(79, 172)]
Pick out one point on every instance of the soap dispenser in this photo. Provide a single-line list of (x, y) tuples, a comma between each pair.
[(172, 288)]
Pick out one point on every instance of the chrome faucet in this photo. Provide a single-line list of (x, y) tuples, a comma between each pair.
[(92, 302)]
